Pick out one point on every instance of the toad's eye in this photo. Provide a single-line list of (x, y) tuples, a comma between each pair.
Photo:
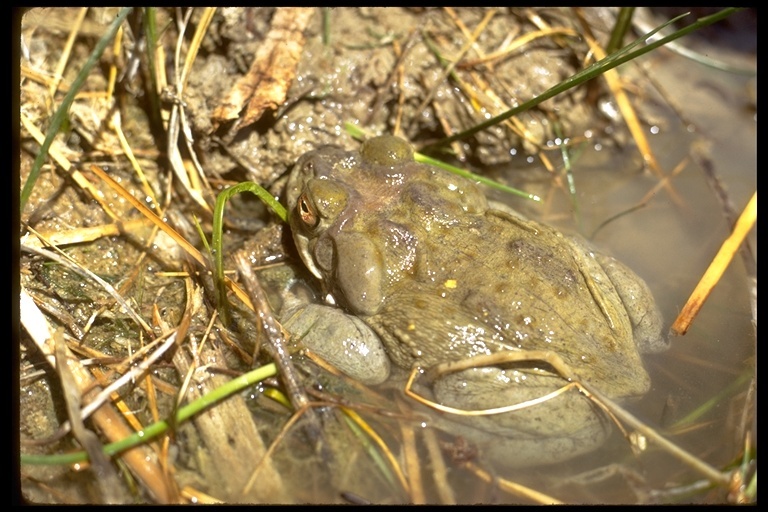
[(307, 212)]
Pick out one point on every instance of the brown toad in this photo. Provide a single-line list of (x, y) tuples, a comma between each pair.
[(418, 255)]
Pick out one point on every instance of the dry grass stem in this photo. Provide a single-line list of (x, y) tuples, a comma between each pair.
[(489, 99), (80, 235), (191, 179), (197, 497), (276, 346), (66, 261), (613, 79), (439, 470), (168, 230), (512, 487), (66, 51), (400, 73), (117, 47), (695, 463), (62, 161), (617, 413), (715, 271), (648, 196), (481, 412), (264, 463), (73, 382), (141, 459), (194, 46), (115, 123), (376, 438), (228, 430), (471, 41), (149, 214), (511, 46), (412, 463), (104, 381), (136, 371)]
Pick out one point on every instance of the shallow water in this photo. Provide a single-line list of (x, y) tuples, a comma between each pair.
[(670, 243)]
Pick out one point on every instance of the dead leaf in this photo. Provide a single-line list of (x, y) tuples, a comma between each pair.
[(265, 86)]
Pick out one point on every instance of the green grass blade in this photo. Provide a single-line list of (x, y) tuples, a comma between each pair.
[(357, 133), (474, 177), (620, 29), (184, 413), (150, 17), (611, 61), (61, 114), (218, 228)]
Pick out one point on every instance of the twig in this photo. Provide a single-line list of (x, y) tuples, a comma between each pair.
[(140, 458), (512, 487), (277, 349), (58, 73), (439, 470), (464, 49), (716, 268), (712, 474), (62, 112), (609, 406), (72, 384)]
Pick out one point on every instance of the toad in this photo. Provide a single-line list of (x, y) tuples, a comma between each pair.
[(432, 272)]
